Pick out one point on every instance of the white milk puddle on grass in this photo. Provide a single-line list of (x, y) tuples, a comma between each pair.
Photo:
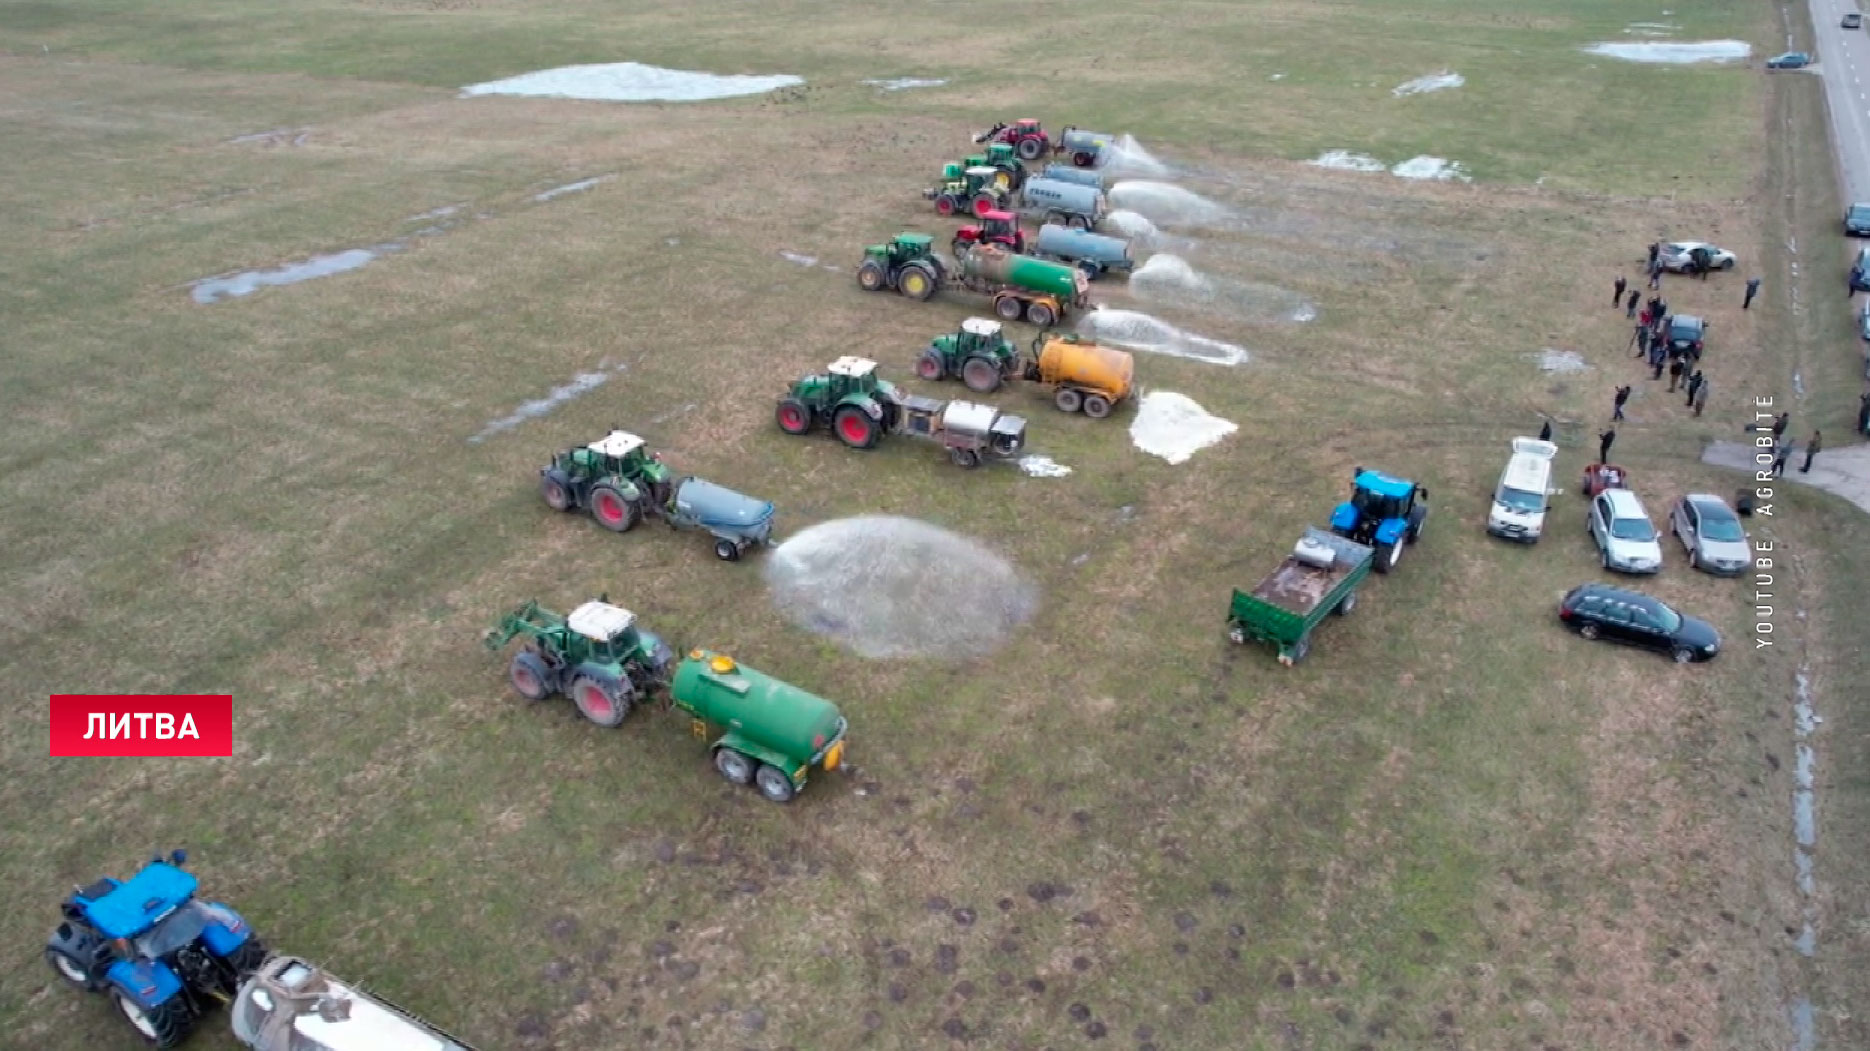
[(1435, 82), (1174, 427), (1043, 467), (1138, 331), (1673, 53), (1164, 203), (632, 82), (905, 83), (247, 282), (887, 587), (573, 187), (1345, 160), (581, 384), (1170, 279)]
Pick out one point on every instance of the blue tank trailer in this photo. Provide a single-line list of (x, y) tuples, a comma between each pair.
[(1095, 254)]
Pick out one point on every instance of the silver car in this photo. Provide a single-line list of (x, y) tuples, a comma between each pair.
[(1711, 533), (1624, 535), (1677, 255)]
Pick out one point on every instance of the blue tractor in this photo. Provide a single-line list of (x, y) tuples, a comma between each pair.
[(1383, 512), (162, 956)]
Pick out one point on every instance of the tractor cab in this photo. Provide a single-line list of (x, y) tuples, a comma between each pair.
[(623, 453), (139, 908), (1384, 511), (901, 249), (1027, 126), (608, 632), (981, 177), (981, 336), (850, 375), (996, 226)]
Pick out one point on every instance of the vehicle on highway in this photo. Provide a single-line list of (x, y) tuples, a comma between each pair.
[(1711, 533), (1685, 334), (1789, 60), (1854, 20), (1626, 541), (1857, 220), (1599, 611), (1679, 255), (1860, 272)]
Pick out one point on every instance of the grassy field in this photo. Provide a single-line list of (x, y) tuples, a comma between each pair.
[(1453, 826)]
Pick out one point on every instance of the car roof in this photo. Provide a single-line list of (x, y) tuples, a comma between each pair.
[(1623, 503), (1684, 319), (1708, 502), (1610, 591)]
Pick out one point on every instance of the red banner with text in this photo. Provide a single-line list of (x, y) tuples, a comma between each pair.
[(142, 724)]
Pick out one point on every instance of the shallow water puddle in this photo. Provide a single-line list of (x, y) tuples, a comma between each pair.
[(1436, 82), (1426, 167), (1678, 53), (247, 282), (905, 83), (276, 137), (1174, 427), (1345, 160), (632, 82), (573, 187), (580, 385)]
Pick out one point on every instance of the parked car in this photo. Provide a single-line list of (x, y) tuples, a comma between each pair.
[(1685, 334), (1863, 319), (1860, 272), (1626, 541), (1519, 501), (1789, 60), (1853, 20), (1857, 220), (1678, 255), (1599, 611), (1711, 533)]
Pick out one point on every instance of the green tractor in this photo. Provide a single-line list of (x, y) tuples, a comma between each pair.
[(1001, 158), (597, 656), (616, 477), (979, 354), (973, 189), (907, 264), (858, 406)]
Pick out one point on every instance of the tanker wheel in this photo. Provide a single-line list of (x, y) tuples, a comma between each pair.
[(793, 416), (1041, 314), (165, 1025), (945, 205), (980, 375), (1068, 400), (1083, 159), (1055, 218), (957, 246), (1096, 406), (612, 511), (601, 702), (1078, 222), (931, 367), (870, 276), (916, 282), (1030, 148), (773, 783), (855, 428), (528, 675), (967, 458), (733, 766), (727, 550), (1090, 270), (984, 203), (1009, 308), (556, 496)]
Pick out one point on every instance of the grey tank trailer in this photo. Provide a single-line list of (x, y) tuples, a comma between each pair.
[(1065, 203), (969, 431), (292, 1005), (1085, 149), (1076, 176), (1095, 254)]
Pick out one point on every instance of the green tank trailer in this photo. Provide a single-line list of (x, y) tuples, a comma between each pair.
[(597, 656), (1037, 290), (766, 732)]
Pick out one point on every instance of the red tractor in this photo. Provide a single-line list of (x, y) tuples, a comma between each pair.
[(995, 227), (1027, 138)]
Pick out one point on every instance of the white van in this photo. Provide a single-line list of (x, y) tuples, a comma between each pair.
[(1519, 502)]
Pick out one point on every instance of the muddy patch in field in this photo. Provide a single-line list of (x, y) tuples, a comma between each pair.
[(1683, 53), (1174, 427), (577, 387), (1152, 335), (887, 587), (632, 82), (1170, 279), (1434, 82), (246, 282)]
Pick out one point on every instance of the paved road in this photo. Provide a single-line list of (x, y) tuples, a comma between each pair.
[(1844, 64), (1845, 472)]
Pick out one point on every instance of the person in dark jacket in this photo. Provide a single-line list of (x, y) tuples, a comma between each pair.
[(1753, 289), (1694, 385), (1604, 442), (1545, 431), (1616, 406), (1779, 425), (1629, 309), (1811, 450), (1863, 414), (1676, 368), (1617, 296)]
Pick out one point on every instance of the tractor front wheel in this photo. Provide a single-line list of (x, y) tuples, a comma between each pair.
[(855, 428), (165, 1025), (1388, 555), (794, 416), (70, 968), (980, 375), (916, 281), (1009, 308), (946, 205), (1041, 314), (966, 458), (601, 702), (612, 511), (1417, 519), (1030, 148), (727, 550), (529, 676), (1096, 406), (1068, 400), (931, 367), (774, 784), (733, 766), (871, 277), (557, 497)]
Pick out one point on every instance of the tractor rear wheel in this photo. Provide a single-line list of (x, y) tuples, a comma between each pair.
[(70, 968), (727, 550), (871, 277), (1030, 148), (916, 281), (774, 784), (1009, 308), (980, 375), (855, 428), (529, 676), (164, 1025), (931, 367), (733, 766), (603, 703), (793, 416), (946, 205), (1096, 406), (556, 496), (612, 511), (966, 458), (1068, 400), (244, 960), (984, 203), (1041, 314)]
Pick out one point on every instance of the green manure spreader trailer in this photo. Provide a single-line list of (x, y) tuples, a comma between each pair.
[(1317, 579), (771, 734)]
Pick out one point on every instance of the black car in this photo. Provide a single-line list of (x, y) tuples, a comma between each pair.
[(1853, 20), (1686, 332), (1599, 611), (1857, 221)]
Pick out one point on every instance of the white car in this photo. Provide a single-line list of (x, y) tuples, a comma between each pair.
[(1519, 501), (1621, 528), (1678, 255)]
